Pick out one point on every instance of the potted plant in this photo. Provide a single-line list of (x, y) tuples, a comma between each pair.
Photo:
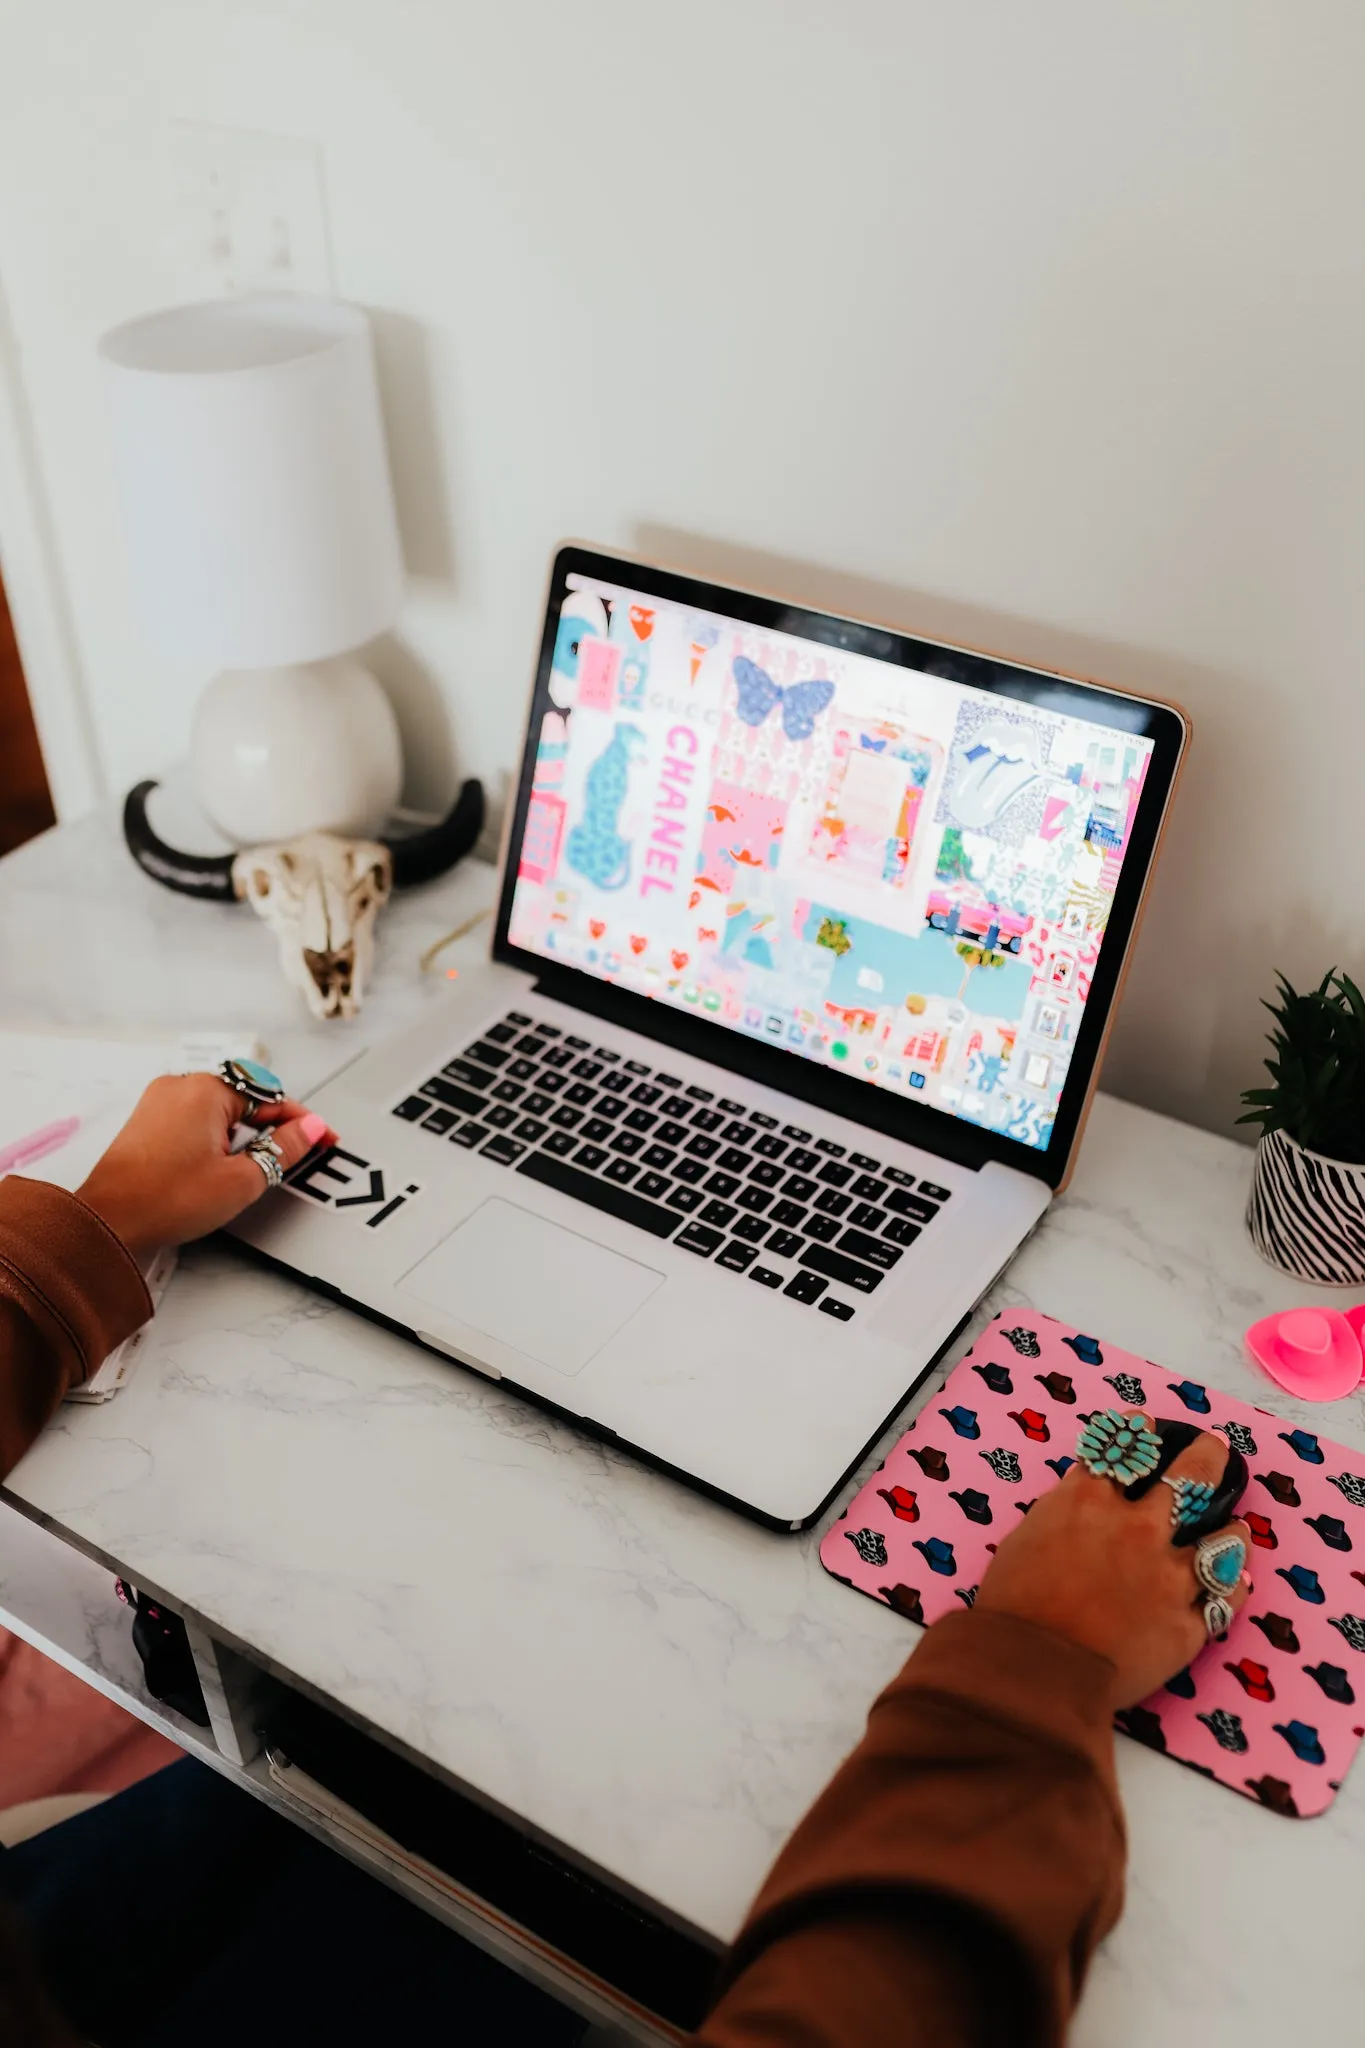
[(1307, 1210)]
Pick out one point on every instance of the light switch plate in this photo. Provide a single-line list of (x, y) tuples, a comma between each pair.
[(249, 213)]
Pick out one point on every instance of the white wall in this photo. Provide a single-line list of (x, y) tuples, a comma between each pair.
[(1039, 325)]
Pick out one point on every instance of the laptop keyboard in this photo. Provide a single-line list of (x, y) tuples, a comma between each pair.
[(762, 1200)]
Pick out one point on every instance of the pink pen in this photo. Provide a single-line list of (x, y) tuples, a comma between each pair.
[(37, 1145)]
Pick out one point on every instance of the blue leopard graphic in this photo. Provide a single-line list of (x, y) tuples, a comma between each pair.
[(594, 848)]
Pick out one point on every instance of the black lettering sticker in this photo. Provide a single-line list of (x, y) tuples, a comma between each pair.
[(351, 1185)]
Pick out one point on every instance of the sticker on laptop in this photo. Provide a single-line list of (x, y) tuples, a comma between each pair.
[(356, 1188)]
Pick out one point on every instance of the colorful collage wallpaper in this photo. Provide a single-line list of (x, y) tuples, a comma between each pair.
[(873, 868)]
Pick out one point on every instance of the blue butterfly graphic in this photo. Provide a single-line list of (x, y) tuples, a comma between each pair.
[(872, 746), (801, 704)]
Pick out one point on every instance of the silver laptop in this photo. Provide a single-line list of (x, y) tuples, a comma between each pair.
[(808, 939)]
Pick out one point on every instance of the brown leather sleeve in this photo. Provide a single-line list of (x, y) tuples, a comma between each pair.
[(69, 1292), (951, 1883)]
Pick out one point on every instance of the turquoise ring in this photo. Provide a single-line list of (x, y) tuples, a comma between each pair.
[(1120, 1447), (1191, 1503), (1218, 1563), (252, 1080)]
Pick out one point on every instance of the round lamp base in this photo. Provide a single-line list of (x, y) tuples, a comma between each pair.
[(313, 747)]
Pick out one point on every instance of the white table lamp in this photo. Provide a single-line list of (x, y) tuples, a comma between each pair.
[(263, 537)]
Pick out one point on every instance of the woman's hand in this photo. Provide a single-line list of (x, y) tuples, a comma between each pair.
[(1092, 1565), (169, 1175)]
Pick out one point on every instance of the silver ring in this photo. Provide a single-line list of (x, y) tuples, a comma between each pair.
[(268, 1157), (1212, 1559), (1191, 1502), (1218, 1615)]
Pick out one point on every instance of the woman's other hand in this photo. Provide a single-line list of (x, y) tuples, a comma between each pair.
[(1092, 1565), (170, 1174)]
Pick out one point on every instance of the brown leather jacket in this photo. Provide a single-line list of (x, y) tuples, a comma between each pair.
[(950, 1884)]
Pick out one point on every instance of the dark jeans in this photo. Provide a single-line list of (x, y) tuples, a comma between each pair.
[(183, 1911)]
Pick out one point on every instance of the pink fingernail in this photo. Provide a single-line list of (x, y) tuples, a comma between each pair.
[(313, 1127)]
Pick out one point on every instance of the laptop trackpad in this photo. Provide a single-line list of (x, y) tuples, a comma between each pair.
[(549, 1293)]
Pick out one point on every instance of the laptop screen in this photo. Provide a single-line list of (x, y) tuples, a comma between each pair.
[(884, 869)]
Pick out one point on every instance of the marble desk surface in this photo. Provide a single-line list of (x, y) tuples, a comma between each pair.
[(639, 1675)]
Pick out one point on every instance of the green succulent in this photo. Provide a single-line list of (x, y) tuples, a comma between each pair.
[(1318, 1068)]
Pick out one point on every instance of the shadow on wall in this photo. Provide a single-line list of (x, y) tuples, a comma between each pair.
[(407, 395), (1189, 1034)]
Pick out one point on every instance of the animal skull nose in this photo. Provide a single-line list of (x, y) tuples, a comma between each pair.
[(333, 972)]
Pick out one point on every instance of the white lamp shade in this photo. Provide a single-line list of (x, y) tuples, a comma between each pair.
[(250, 449)]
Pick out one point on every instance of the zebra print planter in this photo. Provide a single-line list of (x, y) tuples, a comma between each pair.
[(1307, 1213)]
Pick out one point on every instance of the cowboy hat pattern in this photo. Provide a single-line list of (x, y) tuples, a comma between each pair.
[(1268, 1710)]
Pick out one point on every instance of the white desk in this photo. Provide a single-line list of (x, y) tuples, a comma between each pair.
[(633, 1674)]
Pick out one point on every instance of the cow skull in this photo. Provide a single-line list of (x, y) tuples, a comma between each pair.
[(320, 894)]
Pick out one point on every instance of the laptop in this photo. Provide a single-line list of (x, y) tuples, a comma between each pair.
[(809, 936)]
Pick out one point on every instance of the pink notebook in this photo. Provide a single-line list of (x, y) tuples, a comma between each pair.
[(1276, 1709)]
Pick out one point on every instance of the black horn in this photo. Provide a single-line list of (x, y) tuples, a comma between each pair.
[(424, 855), (206, 875)]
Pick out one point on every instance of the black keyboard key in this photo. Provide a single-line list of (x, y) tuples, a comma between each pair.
[(463, 1071), (753, 1228), (581, 1094), (641, 1120), (550, 1084), (578, 1044), (636, 1067), (531, 1129), (905, 1204), (789, 1214), (501, 1034), (622, 1171), (730, 1106), (567, 1118), (558, 1056), (607, 1056), (609, 1105), (596, 1130), (801, 1161), (835, 1175), (832, 1202), (617, 1083), (685, 1199), (522, 1070), (784, 1244), (675, 1105), (589, 1157), (722, 1184), (765, 1276), (530, 1044), (861, 1159), (672, 1134), (691, 1171), (627, 1143), (659, 1155), (561, 1143), (537, 1105), (719, 1213), (737, 1257), (587, 1070), (875, 1251), (508, 1091), (707, 1120), (865, 1216), (926, 1187), (654, 1185), (626, 1204), (829, 1148), (764, 1122), (546, 1031), (502, 1151), (645, 1094), (805, 1287), (822, 1258), (796, 1134), (489, 1055), (868, 1188), (469, 1135), (696, 1239), (765, 1173), (824, 1228), (899, 1175), (769, 1146), (736, 1133), (414, 1107), (756, 1199), (702, 1147), (440, 1121), (499, 1116), (798, 1189), (901, 1230), (515, 1017), (832, 1306), (697, 1094), (732, 1160)]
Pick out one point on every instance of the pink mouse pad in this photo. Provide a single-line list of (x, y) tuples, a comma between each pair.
[(1276, 1708)]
